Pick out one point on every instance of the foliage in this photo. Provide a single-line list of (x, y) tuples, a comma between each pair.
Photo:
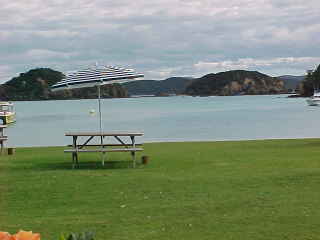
[(292, 83), (174, 85), (78, 236), (235, 82), (311, 83), (35, 85)]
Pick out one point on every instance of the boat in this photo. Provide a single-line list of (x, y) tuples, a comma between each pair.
[(7, 113), (315, 99)]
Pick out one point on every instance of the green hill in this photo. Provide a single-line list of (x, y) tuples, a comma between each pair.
[(237, 82), (35, 85), (173, 85), (291, 82)]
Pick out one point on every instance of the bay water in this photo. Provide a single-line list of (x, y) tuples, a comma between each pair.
[(178, 118)]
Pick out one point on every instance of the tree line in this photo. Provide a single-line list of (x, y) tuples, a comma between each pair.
[(311, 82)]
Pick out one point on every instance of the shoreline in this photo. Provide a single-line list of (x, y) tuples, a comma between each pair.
[(289, 95), (189, 141)]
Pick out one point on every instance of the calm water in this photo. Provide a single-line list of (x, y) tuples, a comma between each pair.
[(167, 119)]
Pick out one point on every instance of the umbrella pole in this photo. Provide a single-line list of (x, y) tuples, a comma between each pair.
[(100, 116), (100, 122)]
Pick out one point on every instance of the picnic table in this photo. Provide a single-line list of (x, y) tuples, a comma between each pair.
[(3, 138), (103, 146)]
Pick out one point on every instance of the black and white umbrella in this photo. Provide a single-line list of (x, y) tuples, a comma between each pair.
[(96, 77)]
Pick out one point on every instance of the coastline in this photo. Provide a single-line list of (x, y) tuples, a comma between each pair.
[(189, 141)]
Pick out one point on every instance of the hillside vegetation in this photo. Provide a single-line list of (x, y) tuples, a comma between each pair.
[(35, 85), (237, 82), (292, 83), (311, 83), (173, 85)]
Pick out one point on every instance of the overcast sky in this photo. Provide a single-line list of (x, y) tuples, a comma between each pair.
[(160, 38)]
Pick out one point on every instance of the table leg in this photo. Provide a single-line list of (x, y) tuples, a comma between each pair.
[(75, 161), (1, 134), (1, 147), (104, 153), (133, 154)]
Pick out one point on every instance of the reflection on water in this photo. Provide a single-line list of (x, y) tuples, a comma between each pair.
[(43, 123)]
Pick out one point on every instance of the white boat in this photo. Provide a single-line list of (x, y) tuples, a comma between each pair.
[(7, 113), (315, 99)]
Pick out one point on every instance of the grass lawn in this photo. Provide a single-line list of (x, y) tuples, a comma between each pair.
[(209, 190)]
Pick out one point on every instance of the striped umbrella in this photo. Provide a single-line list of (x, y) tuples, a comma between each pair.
[(97, 76)]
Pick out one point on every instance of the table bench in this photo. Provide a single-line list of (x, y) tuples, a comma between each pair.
[(3, 138), (103, 148)]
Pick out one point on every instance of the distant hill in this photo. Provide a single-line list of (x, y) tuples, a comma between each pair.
[(35, 85), (173, 85), (291, 82), (237, 82)]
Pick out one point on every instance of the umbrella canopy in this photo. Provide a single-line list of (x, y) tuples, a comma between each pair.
[(97, 76)]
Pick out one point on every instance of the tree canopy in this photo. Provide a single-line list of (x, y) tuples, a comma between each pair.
[(312, 82), (35, 85)]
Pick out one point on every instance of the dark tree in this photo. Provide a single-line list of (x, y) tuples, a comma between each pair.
[(35, 85), (311, 83)]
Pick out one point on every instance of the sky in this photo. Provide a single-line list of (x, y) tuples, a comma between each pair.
[(162, 38)]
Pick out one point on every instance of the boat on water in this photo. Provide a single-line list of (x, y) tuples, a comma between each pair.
[(7, 113), (315, 99)]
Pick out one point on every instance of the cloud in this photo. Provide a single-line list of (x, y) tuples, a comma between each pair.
[(162, 37), (274, 64), (40, 54)]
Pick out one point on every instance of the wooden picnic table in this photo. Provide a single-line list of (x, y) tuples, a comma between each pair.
[(3, 138), (103, 147)]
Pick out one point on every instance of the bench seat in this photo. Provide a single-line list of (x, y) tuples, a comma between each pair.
[(107, 145), (4, 138), (104, 150)]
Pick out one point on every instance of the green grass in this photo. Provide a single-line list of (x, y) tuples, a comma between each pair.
[(210, 190)]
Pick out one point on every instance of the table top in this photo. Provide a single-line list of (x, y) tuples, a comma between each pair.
[(103, 134)]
